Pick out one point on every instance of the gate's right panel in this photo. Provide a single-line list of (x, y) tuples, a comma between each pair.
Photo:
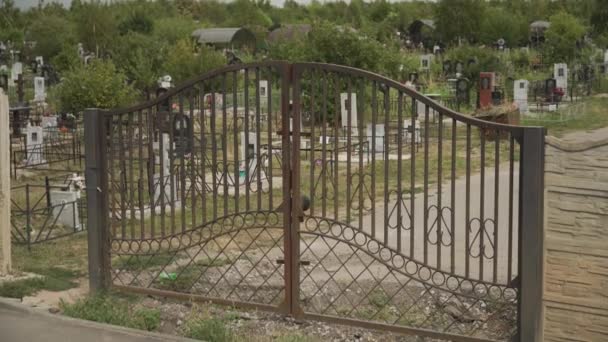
[(413, 218)]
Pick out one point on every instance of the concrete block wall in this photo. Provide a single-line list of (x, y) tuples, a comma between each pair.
[(575, 295)]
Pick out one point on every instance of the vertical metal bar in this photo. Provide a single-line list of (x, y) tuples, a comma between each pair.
[(258, 131), (224, 136), (287, 205), (203, 158), (426, 184), (313, 82), (296, 209), (150, 116), (496, 196), (373, 150), (349, 145), (360, 143), (97, 200), (324, 161), (140, 164), (482, 191), (453, 201), (336, 144), (511, 167), (439, 222), (400, 132), (531, 204), (387, 99), (413, 176), (193, 164), (214, 167), (172, 166), (235, 118), (28, 217), (47, 191), (131, 180), (246, 128), (270, 153), (122, 178), (468, 204)]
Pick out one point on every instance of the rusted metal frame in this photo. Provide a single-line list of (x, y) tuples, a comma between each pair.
[(172, 174), (129, 174), (203, 157), (495, 243), (193, 164), (182, 162), (246, 142), (97, 199), (151, 116), (122, 177), (214, 167), (439, 221), (399, 199), (291, 280), (373, 155), (296, 207), (453, 201), (530, 258), (336, 166), (224, 136), (482, 190), (386, 162), (235, 141), (269, 122), (468, 204), (510, 243), (313, 81), (413, 148), (349, 145), (258, 132), (426, 184), (324, 148), (360, 109), (140, 182)]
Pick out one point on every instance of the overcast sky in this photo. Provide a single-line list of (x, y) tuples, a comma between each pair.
[(24, 4)]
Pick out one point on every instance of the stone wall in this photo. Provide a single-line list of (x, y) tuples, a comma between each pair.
[(575, 295)]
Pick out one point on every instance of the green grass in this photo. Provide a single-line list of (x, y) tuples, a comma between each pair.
[(52, 279), (187, 275), (112, 309), (207, 329), (594, 117)]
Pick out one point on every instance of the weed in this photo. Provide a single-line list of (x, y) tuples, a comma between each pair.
[(111, 309), (209, 329), (53, 279)]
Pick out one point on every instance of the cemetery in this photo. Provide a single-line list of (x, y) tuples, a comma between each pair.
[(330, 169)]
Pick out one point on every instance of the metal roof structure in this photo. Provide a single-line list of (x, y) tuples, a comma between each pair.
[(221, 35), (540, 24), (288, 32)]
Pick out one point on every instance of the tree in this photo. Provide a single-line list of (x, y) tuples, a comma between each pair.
[(459, 19), (97, 85), (499, 23), (183, 62), (137, 21), (96, 26), (599, 18), (50, 34), (67, 59), (562, 37)]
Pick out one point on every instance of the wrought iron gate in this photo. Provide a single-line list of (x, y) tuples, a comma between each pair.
[(322, 192)]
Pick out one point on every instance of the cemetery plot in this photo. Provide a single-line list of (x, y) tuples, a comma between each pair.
[(43, 212)]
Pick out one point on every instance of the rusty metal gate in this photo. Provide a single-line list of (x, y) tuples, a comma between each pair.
[(323, 192)]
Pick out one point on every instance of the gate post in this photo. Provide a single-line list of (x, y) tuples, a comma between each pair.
[(531, 204), (97, 204)]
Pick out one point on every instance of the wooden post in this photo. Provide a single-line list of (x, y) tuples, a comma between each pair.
[(5, 187)]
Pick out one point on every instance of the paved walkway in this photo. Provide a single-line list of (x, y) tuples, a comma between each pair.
[(21, 323)]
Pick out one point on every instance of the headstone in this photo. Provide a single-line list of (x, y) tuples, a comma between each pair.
[(550, 85), (560, 73), (459, 68), (182, 134), (425, 61), (606, 56), (520, 95), (165, 82), (164, 187), (486, 87), (462, 90), (39, 91), (345, 104), (16, 71), (39, 61), (408, 130), (248, 157), (65, 208), (4, 82), (263, 86), (49, 121), (34, 145), (447, 67), (380, 134), (80, 50)]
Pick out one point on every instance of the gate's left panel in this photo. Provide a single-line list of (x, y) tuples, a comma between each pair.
[(195, 183)]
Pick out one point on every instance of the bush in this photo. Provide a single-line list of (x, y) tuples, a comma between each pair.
[(210, 329)]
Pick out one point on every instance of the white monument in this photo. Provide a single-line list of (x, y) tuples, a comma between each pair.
[(344, 110), (248, 150), (425, 61), (380, 134), (560, 73), (34, 145), (407, 130), (39, 61), (165, 81), (39, 91), (520, 95), (16, 71), (263, 86), (164, 184), (65, 208)]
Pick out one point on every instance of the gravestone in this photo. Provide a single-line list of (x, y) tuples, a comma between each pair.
[(80, 50), (165, 184), (248, 156), (344, 109), (164, 82), (65, 208), (263, 86), (16, 70), (550, 85), (462, 90), (425, 61), (182, 135), (486, 88), (39, 62), (34, 145), (380, 134), (407, 131), (39, 91), (4, 82), (520, 95), (459, 68), (447, 67), (560, 74)]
